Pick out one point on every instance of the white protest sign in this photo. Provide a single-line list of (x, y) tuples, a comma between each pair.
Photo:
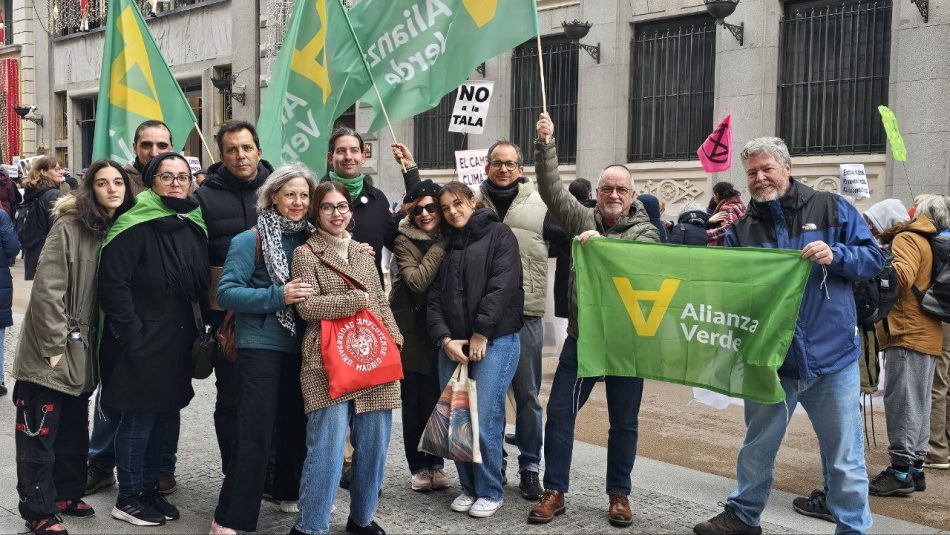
[(194, 163), (471, 107), (854, 181), (470, 166)]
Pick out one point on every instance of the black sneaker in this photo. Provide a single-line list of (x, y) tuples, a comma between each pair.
[(510, 439), (814, 506), (888, 483), (920, 483), (167, 483), (530, 486), (163, 506), (504, 467), (345, 476), (47, 526), (137, 510), (97, 478), (372, 529), (724, 523), (75, 509), (3, 389)]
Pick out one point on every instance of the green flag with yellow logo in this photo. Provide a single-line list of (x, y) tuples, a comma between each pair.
[(136, 85), (898, 149), (713, 317), (318, 74), (419, 50)]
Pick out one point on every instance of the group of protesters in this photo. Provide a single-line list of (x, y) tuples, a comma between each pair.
[(140, 261)]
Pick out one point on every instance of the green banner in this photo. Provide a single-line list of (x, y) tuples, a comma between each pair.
[(714, 317), (318, 74), (136, 85), (898, 149), (419, 50)]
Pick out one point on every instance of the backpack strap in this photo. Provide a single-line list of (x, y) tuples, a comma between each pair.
[(257, 234)]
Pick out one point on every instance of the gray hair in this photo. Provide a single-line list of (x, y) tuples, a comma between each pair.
[(279, 178), (936, 209), (773, 146)]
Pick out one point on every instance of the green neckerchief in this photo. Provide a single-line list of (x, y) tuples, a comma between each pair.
[(353, 185), (148, 206)]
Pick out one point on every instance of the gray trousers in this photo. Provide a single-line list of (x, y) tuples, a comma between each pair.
[(908, 377)]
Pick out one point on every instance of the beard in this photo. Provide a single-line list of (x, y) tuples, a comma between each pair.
[(774, 195)]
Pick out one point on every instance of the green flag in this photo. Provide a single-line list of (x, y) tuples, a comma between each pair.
[(318, 75), (718, 318), (419, 50), (136, 85), (898, 149)]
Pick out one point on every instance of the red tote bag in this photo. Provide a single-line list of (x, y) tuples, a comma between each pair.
[(358, 351)]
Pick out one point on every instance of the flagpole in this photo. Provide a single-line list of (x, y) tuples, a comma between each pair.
[(369, 72), (203, 142), (544, 95)]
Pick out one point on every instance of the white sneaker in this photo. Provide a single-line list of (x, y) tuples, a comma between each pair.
[(484, 508), (937, 466), (289, 506), (463, 503)]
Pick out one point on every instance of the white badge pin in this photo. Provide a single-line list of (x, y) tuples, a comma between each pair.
[(363, 199)]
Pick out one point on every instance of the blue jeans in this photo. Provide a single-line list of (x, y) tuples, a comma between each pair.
[(526, 386), (326, 437), (139, 438), (102, 441), (833, 406), (568, 395), (492, 376)]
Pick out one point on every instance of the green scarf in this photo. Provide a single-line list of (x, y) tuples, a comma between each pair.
[(148, 206), (353, 185)]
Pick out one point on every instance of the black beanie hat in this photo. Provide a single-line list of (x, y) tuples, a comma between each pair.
[(148, 174), (425, 188)]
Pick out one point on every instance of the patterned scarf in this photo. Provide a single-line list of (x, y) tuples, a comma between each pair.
[(270, 227)]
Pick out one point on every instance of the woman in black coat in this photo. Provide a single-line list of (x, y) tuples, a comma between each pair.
[(475, 313), (153, 275), (40, 191)]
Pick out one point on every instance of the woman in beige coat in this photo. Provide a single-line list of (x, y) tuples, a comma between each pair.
[(367, 413), (55, 366)]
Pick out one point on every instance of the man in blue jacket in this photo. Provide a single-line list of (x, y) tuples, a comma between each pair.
[(821, 368)]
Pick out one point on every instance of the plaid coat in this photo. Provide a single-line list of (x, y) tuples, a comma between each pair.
[(332, 298)]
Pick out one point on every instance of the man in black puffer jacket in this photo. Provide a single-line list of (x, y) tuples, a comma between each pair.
[(228, 200)]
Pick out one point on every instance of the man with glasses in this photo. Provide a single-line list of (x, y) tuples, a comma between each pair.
[(617, 215), (151, 139), (228, 200), (513, 197)]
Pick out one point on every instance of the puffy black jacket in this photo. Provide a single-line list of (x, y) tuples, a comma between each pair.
[(690, 229), (478, 288), (228, 206)]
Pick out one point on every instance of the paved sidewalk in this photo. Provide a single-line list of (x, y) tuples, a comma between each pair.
[(666, 498)]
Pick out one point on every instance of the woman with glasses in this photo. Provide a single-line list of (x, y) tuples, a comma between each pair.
[(34, 218), (256, 284), (417, 253), (343, 281), (153, 280), (475, 314)]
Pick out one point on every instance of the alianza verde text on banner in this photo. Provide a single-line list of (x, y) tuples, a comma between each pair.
[(419, 50), (136, 85), (716, 318), (318, 74)]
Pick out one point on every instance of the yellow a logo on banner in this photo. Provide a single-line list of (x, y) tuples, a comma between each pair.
[(304, 60), (133, 55), (631, 301), (481, 11)]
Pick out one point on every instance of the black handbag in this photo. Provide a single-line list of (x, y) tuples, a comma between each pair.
[(204, 348)]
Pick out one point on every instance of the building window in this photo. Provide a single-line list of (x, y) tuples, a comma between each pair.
[(85, 110), (65, 17), (672, 84), (433, 144), (560, 81), (6, 18), (834, 65), (61, 130)]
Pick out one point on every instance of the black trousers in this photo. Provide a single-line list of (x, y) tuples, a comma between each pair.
[(225, 402), (52, 438), (269, 401), (420, 393)]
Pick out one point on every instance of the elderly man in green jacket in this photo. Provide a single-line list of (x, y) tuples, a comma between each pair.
[(617, 215)]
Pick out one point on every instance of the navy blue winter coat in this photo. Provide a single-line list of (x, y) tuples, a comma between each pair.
[(826, 337), (9, 248)]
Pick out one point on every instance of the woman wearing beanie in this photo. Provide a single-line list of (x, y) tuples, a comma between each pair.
[(153, 280), (417, 254), (256, 284)]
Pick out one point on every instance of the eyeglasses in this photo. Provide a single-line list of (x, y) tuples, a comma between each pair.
[(607, 190), (497, 164), (328, 209), (431, 208), (168, 178)]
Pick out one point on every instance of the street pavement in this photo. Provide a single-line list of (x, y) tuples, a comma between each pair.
[(666, 498)]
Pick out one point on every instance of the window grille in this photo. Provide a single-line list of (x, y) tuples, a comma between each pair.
[(433, 145)]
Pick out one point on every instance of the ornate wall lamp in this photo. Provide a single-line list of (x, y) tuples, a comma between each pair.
[(720, 9), (577, 30), (224, 85), (23, 111)]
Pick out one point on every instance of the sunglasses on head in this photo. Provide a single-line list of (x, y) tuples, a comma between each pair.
[(431, 208)]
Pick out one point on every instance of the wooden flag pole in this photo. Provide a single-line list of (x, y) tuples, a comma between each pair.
[(544, 95), (392, 132), (203, 142)]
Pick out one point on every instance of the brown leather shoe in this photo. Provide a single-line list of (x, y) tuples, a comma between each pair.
[(619, 514), (549, 506)]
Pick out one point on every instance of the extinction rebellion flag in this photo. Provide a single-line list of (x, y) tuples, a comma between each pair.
[(136, 85), (716, 318)]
